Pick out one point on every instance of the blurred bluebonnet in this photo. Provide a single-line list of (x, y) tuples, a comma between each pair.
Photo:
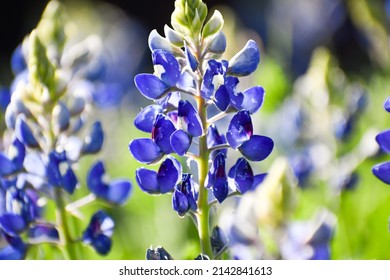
[(99, 231), (47, 136), (189, 84)]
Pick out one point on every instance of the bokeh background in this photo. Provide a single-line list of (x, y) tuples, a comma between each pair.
[(325, 68)]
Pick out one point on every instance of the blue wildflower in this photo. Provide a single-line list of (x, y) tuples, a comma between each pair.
[(14, 249), (59, 172), (116, 191), (217, 178), (99, 231), (185, 196)]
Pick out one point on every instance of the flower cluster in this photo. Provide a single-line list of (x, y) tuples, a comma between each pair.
[(189, 84), (49, 131)]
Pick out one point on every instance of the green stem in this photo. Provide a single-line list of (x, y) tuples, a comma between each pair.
[(63, 227), (203, 206)]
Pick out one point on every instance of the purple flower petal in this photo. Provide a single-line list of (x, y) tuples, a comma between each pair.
[(253, 99), (192, 61), (382, 171), (115, 192), (387, 104), (6, 165), (145, 150), (150, 86), (94, 140), (180, 203), (12, 224), (169, 174), (220, 189), (245, 61), (118, 191), (99, 231), (171, 70), (257, 148), (147, 180), (180, 142), (221, 98), (242, 174), (240, 129), (24, 133), (218, 44), (162, 131), (43, 233), (190, 119), (15, 250), (145, 119), (383, 140)]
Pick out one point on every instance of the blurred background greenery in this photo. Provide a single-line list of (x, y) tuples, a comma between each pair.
[(312, 51)]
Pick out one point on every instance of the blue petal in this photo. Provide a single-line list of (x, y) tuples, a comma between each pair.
[(18, 61), (61, 117), (245, 61), (15, 250), (151, 86), (19, 154), (145, 119), (220, 189), (240, 129), (257, 147), (383, 140), (43, 233), (102, 244), (169, 174), (180, 203), (95, 181), (170, 101), (118, 191), (253, 99), (94, 140), (180, 142), (147, 180), (258, 179), (162, 131), (5, 98), (145, 150), (12, 224), (69, 181), (218, 44), (99, 231), (171, 74), (192, 61), (221, 98), (190, 118), (24, 133), (387, 104), (382, 171), (243, 175), (156, 41), (6, 165)]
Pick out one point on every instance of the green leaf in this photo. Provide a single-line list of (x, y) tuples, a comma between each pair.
[(188, 17), (214, 25), (42, 71)]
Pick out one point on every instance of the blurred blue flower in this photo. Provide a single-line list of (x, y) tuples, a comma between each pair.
[(99, 231), (116, 191)]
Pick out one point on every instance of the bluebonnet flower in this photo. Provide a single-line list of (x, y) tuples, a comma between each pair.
[(185, 196), (14, 247), (189, 77), (158, 253), (99, 231), (116, 191)]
